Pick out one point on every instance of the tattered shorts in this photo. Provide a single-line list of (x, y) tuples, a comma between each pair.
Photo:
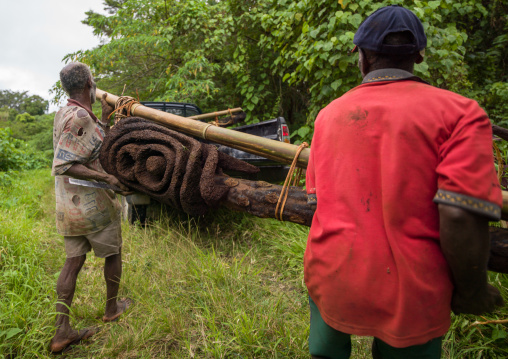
[(105, 243)]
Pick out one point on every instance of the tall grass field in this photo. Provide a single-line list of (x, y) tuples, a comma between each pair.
[(226, 285)]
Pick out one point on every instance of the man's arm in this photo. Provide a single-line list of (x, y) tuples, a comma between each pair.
[(465, 243), (80, 171)]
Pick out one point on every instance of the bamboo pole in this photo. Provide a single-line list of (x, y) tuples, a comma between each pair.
[(215, 114), (271, 149)]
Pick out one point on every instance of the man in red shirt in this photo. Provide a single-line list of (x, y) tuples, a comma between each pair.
[(405, 184)]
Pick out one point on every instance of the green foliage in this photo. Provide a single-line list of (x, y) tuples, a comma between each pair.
[(8, 114), (312, 42), (16, 155), (25, 118), (38, 132), (227, 285), (302, 134), (12, 155), (495, 97), (215, 289), (283, 57), (26, 291), (198, 51), (22, 102), (286, 58), (42, 143), (193, 81)]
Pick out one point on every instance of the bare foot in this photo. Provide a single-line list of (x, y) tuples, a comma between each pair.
[(121, 307), (63, 340)]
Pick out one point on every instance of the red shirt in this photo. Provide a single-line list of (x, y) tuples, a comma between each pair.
[(380, 155)]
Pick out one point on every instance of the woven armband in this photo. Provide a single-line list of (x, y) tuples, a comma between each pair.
[(471, 204)]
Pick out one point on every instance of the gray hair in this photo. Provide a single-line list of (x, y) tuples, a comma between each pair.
[(74, 76)]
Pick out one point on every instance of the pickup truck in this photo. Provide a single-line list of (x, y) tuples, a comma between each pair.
[(137, 207)]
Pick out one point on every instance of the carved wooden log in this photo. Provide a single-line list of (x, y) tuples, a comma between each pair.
[(498, 260), (500, 132), (260, 199)]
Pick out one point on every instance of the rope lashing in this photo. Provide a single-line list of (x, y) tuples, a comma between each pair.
[(206, 128), (124, 107), (281, 203), (216, 119)]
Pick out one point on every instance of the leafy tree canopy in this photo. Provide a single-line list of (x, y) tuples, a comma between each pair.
[(22, 102), (282, 57), (25, 117)]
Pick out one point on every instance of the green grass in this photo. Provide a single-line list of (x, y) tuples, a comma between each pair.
[(222, 286)]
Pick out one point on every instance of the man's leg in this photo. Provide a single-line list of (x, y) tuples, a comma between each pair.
[(324, 341), (108, 244), (65, 288), (112, 275)]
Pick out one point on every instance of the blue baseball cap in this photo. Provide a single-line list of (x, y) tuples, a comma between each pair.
[(384, 21)]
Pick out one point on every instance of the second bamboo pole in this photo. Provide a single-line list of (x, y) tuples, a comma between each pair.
[(271, 149)]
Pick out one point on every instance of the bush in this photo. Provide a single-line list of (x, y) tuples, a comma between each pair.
[(25, 117), (43, 143), (7, 114), (16, 155), (495, 103)]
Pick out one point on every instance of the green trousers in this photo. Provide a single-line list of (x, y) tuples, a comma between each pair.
[(328, 343)]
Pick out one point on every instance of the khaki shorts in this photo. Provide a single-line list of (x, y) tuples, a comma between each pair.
[(105, 243)]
